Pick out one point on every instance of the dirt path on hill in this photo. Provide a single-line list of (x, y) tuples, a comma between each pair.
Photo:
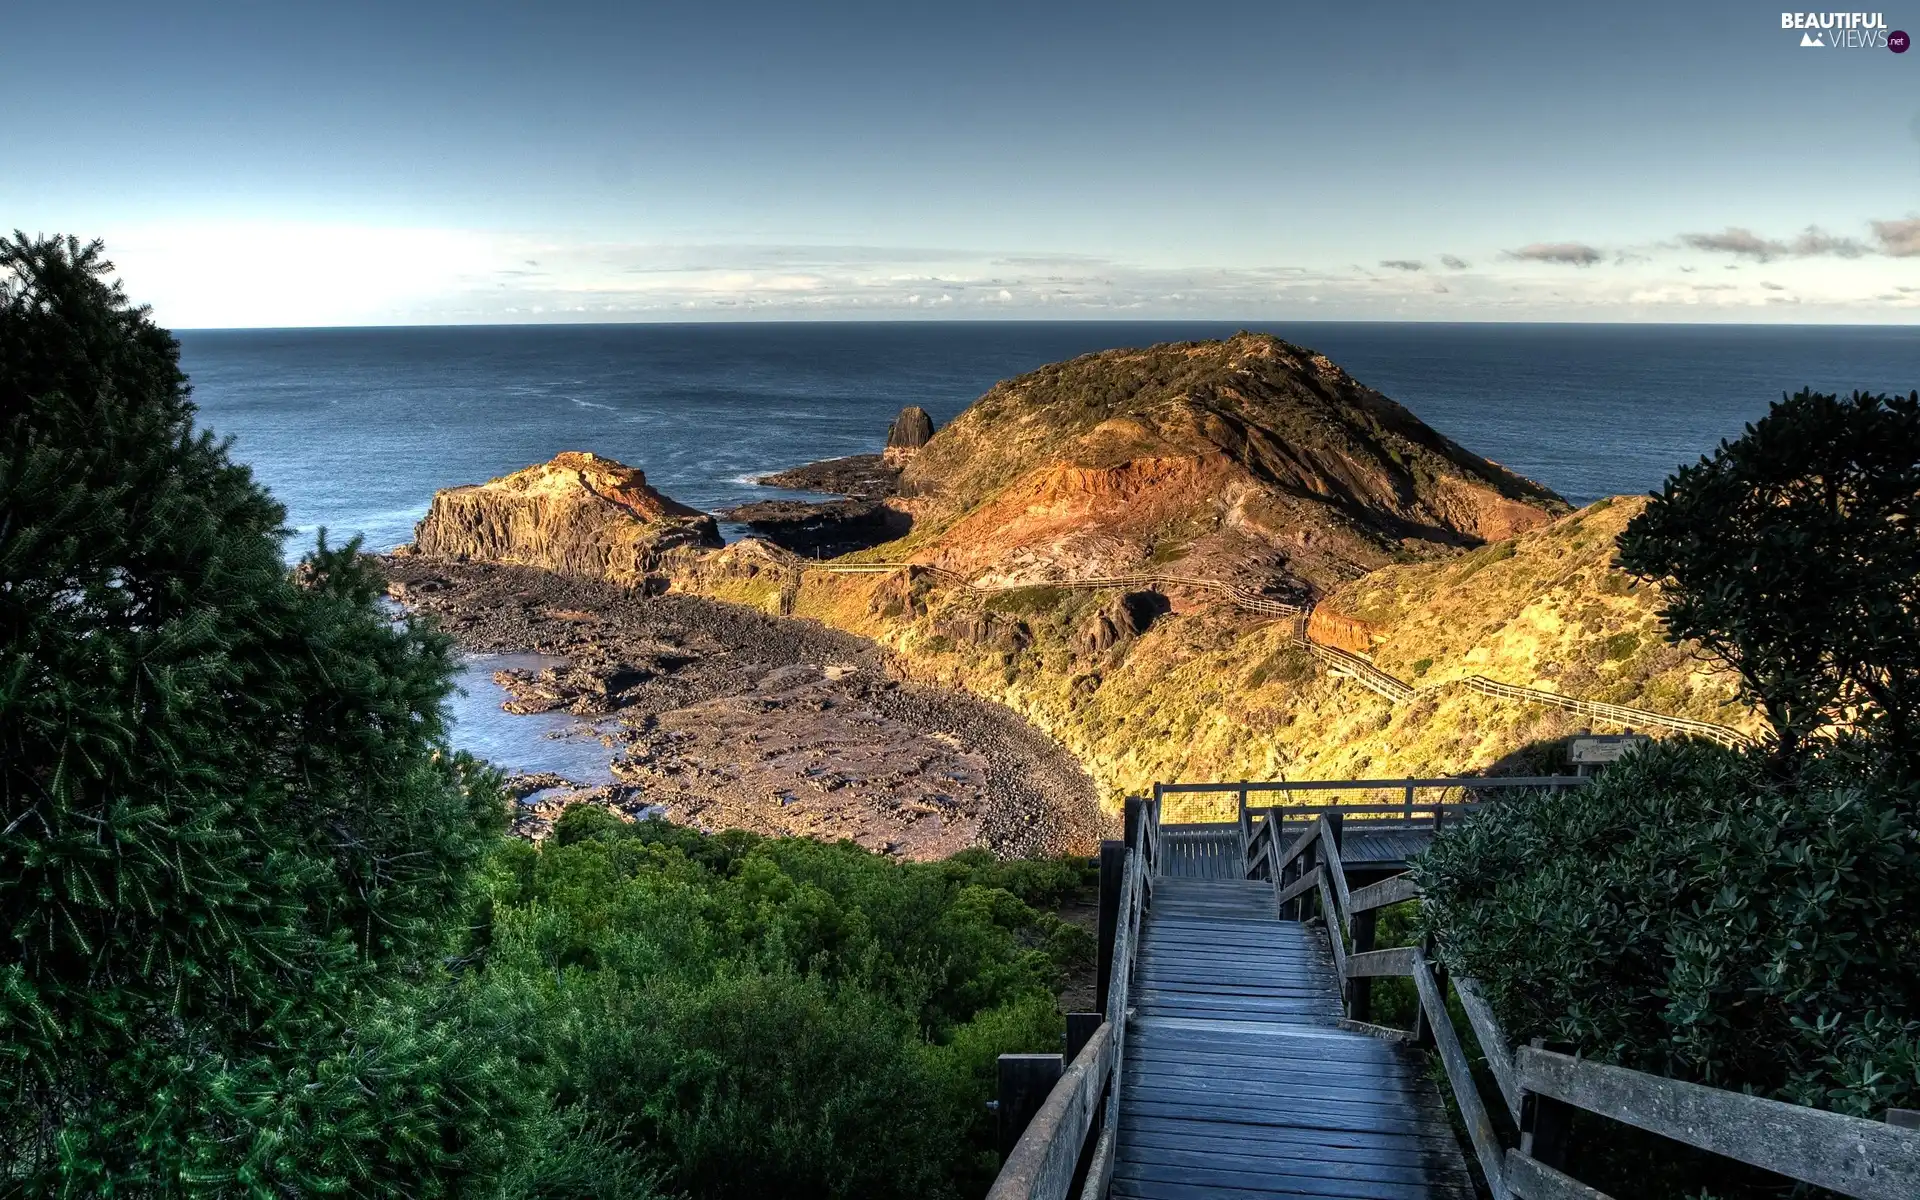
[(730, 719)]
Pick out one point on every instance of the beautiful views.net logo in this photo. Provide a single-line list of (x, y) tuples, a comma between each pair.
[(1845, 31)]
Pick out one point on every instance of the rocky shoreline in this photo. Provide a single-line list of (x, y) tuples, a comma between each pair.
[(726, 718)]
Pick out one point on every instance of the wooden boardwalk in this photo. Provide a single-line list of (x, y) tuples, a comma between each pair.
[(1239, 1081)]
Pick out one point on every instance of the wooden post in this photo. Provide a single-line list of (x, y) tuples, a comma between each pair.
[(1336, 823), (1158, 795), (1904, 1118), (1080, 1030), (1360, 988), (1025, 1080), (1309, 858), (1409, 805), (1113, 873), (1544, 1123)]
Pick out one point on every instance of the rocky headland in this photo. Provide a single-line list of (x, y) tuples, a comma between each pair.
[(1248, 461), (578, 514)]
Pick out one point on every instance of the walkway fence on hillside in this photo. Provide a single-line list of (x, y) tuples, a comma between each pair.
[(1341, 662)]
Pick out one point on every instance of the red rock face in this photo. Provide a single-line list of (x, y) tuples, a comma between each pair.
[(578, 514), (1248, 458)]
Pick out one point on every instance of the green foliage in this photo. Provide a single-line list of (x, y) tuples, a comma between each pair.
[(778, 1017), (1027, 601), (1288, 664), (1620, 647), (1692, 915), (1485, 557), (232, 835), (1793, 553)]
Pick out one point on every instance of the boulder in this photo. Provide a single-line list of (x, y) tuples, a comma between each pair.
[(1009, 635), (1120, 620)]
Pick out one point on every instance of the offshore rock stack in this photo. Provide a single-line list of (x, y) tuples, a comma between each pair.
[(911, 430)]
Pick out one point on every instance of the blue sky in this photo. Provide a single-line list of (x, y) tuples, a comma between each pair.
[(344, 163)]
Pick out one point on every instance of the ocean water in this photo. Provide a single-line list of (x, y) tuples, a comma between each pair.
[(354, 429)]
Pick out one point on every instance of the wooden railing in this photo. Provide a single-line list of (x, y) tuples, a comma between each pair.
[(1199, 803), (1618, 714), (1539, 1087), (1053, 1154)]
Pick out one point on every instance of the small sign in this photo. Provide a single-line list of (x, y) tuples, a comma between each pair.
[(1599, 750)]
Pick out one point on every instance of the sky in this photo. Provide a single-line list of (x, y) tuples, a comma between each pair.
[(279, 164)]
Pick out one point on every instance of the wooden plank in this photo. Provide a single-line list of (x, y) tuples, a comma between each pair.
[(1298, 846), (1026, 1081), (1530, 1180), (1299, 887), (1864, 1159), (1392, 890), (1307, 1177), (1100, 1171), (1335, 937), (1486, 1143), (1493, 1041), (1270, 1144), (1396, 960), (1330, 862)]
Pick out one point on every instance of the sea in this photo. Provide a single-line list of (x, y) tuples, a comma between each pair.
[(354, 429)]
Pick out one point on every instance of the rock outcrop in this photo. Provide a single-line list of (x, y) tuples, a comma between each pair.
[(1249, 458), (910, 431), (578, 514), (1120, 620)]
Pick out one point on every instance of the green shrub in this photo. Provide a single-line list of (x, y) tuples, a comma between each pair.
[(1027, 601), (235, 843), (1620, 647), (778, 1017), (1693, 915)]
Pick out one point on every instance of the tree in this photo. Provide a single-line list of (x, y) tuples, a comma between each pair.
[(232, 836), (1793, 555)]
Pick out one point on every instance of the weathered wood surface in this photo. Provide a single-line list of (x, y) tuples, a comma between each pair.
[(1237, 1079), (1453, 1057), (1377, 963), (1211, 852), (1493, 1042), (1042, 1165), (1529, 1180), (1379, 895), (1865, 1159)]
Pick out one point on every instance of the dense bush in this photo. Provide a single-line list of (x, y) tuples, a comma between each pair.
[(233, 846), (776, 1017), (238, 858), (1693, 915)]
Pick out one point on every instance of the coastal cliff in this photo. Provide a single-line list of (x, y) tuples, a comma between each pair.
[(1248, 462), (578, 514)]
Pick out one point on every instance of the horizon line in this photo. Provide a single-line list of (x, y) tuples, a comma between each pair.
[(1246, 324)]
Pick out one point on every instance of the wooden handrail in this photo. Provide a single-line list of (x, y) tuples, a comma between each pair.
[(1042, 1164), (1855, 1157), (1864, 1159), (1465, 782)]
